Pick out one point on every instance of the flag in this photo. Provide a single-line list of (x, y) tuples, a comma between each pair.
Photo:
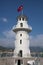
[(20, 8)]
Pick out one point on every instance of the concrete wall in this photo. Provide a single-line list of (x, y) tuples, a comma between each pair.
[(11, 61)]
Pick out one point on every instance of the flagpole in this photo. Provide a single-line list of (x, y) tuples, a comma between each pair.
[(22, 12)]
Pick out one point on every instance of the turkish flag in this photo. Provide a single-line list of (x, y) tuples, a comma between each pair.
[(20, 8)]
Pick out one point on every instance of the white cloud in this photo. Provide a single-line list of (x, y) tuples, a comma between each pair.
[(3, 19), (9, 34), (9, 38), (36, 40), (7, 42)]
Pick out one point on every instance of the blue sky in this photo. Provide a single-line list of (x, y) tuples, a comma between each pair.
[(33, 9)]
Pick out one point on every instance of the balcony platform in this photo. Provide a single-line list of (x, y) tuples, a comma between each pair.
[(22, 29)]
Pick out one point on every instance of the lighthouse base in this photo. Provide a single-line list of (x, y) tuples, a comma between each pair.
[(26, 61)]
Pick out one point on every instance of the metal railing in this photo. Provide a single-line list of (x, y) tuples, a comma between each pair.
[(10, 54)]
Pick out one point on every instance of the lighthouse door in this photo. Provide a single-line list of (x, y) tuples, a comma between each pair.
[(19, 62), (20, 53)]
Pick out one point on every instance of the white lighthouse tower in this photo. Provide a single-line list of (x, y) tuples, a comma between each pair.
[(22, 54), (22, 30)]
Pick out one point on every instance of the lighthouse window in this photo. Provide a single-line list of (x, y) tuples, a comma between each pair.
[(19, 18), (23, 19), (20, 41), (20, 34), (21, 24)]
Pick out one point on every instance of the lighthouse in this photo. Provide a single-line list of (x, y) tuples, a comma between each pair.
[(22, 41), (22, 55)]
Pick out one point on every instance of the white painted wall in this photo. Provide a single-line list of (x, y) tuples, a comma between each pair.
[(25, 43), (25, 25), (25, 39)]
